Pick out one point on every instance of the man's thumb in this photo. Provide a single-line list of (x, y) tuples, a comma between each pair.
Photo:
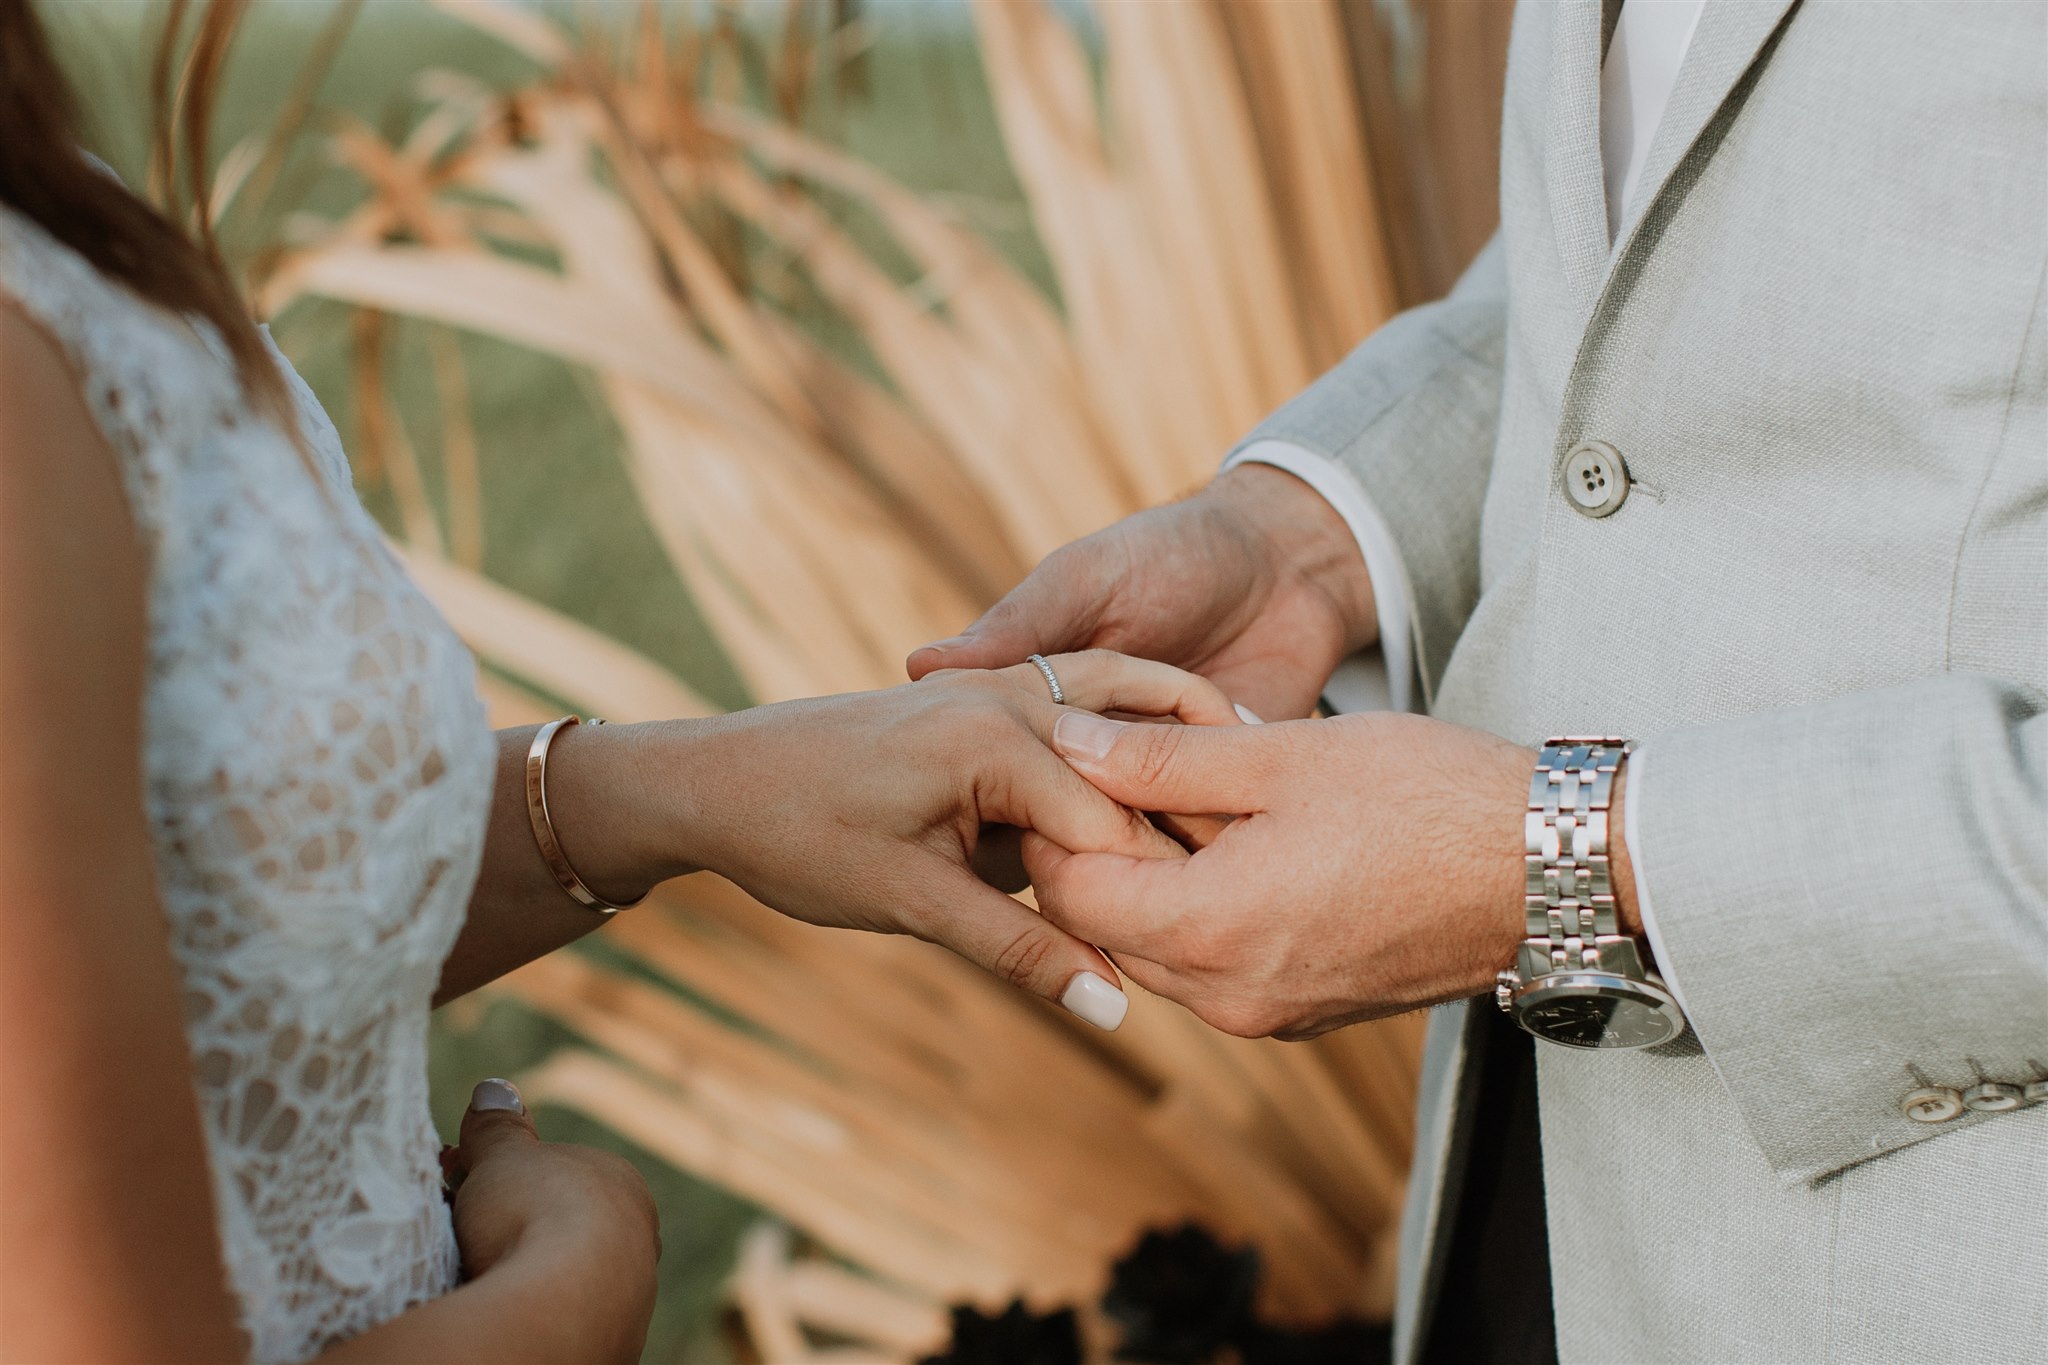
[(496, 1116), (1176, 769), (1045, 614), (997, 640)]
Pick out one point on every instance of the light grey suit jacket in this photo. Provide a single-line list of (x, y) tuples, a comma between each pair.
[(1823, 352)]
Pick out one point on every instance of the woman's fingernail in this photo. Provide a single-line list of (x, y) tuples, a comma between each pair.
[(950, 642), (1247, 715), (1085, 736), (494, 1095), (1089, 997)]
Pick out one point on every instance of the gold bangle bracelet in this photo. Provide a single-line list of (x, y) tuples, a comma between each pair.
[(544, 828)]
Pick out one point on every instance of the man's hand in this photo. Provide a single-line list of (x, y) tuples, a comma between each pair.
[(1255, 583), (1375, 866)]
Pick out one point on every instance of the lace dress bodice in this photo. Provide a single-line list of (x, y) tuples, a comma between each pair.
[(316, 775)]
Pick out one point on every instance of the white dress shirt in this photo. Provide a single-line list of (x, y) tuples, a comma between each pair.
[(1636, 80)]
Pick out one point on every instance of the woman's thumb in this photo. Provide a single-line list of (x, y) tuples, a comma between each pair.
[(496, 1116)]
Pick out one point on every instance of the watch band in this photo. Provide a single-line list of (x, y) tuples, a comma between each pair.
[(1569, 900)]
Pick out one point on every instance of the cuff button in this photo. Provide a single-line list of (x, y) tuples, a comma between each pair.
[(1992, 1097), (1932, 1104)]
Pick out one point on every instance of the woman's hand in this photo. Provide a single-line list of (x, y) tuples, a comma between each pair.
[(868, 811), (567, 1215)]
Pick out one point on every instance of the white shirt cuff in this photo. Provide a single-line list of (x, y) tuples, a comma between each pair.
[(1632, 802), (1354, 689)]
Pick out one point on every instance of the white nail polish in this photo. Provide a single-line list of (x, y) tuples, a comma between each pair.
[(1247, 715), (494, 1095), (1089, 997)]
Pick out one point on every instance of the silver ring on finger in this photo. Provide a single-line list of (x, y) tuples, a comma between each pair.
[(1052, 680)]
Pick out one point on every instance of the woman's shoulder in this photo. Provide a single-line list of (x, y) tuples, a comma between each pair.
[(152, 384), (29, 356), (163, 388), (85, 312), (56, 456)]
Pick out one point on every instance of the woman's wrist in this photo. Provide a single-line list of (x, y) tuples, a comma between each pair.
[(584, 1257), (548, 1298), (574, 1297), (631, 804)]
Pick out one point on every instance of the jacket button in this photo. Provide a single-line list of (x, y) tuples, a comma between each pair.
[(1992, 1097), (1933, 1104), (1595, 479)]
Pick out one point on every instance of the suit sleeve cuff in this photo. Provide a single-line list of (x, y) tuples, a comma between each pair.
[(1850, 893), (1391, 597)]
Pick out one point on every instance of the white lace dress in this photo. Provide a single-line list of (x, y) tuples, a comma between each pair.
[(316, 771)]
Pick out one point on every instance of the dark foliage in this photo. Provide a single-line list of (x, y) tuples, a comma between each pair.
[(1015, 1336), (1181, 1295), (1181, 1298), (1341, 1343)]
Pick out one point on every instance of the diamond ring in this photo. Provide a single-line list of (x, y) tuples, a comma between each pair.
[(1052, 680)]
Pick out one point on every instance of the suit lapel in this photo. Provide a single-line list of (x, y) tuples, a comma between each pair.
[(1571, 144), (1730, 35)]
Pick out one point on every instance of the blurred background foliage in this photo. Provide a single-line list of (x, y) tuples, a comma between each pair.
[(1224, 194), (919, 111)]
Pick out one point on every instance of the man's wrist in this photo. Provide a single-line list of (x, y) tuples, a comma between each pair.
[(1307, 539), (1621, 872), (1505, 918), (1507, 877)]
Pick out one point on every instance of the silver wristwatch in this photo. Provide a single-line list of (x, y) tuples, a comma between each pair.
[(1578, 980)]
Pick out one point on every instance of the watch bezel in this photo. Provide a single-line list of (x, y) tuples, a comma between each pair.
[(1645, 991)]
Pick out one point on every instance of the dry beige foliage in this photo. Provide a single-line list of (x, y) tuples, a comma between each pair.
[(949, 1136)]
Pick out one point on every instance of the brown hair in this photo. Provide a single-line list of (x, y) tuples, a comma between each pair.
[(46, 177)]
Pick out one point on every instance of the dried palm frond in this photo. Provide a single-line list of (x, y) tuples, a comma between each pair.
[(1216, 242)]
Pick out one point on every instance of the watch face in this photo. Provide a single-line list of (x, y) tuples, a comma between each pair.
[(1597, 1010)]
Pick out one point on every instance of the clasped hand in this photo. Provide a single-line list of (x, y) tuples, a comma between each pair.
[(1373, 864), (1327, 871), (894, 811), (1320, 871)]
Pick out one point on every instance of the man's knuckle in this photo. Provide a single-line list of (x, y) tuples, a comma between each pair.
[(1019, 960), (1260, 1021), (1199, 947), (1158, 749), (1232, 1016)]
